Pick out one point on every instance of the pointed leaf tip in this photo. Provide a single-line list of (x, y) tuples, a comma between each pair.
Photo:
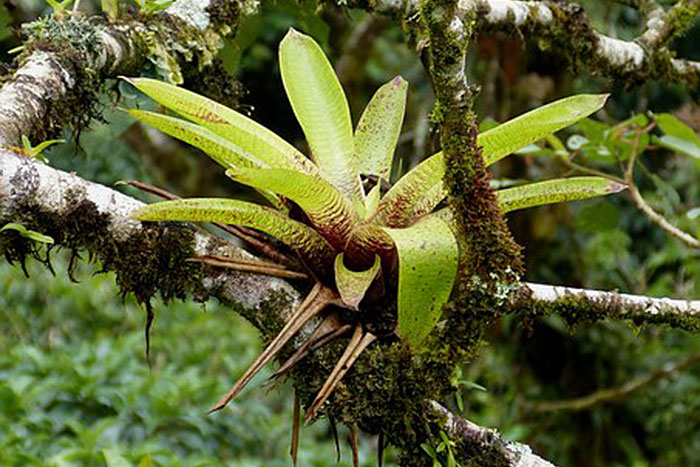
[(320, 106), (377, 132), (556, 191)]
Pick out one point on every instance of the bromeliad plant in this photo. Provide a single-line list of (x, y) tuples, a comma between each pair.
[(367, 249)]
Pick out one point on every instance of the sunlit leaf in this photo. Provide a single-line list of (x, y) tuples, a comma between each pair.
[(297, 235), (320, 105), (352, 285), (114, 458), (223, 151), (428, 257), (372, 200), (245, 133), (379, 128), (537, 124), (329, 211), (673, 126), (26, 233), (556, 191), (424, 184)]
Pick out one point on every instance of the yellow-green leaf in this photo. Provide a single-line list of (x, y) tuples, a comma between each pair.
[(421, 190), (377, 133), (556, 191), (320, 105), (537, 124), (223, 151), (428, 258), (297, 235), (245, 133), (352, 285), (26, 233), (331, 213), (372, 200)]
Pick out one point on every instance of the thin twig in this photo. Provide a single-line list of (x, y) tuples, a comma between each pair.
[(580, 168), (612, 394), (647, 210)]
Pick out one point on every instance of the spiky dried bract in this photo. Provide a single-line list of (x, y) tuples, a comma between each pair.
[(556, 191)]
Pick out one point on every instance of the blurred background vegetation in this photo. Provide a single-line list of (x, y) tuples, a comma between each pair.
[(75, 388)]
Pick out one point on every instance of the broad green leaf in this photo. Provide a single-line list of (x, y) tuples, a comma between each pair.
[(373, 198), (428, 257), (352, 285), (223, 151), (424, 184), (329, 211), (683, 146), (320, 105), (556, 191), (537, 124), (297, 235), (378, 131), (245, 133), (114, 458), (673, 126), (26, 233)]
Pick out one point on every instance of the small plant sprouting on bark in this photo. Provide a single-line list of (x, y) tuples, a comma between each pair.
[(364, 250), (35, 151)]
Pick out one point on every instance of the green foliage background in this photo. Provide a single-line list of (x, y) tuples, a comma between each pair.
[(75, 388)]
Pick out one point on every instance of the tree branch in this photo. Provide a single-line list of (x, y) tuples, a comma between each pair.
[(65, 206), (51, 84), (592, 305), (488, 440), (613, 394), (52, 87), (566, 29), (80, 214)]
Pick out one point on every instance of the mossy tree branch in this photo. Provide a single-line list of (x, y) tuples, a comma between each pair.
[(565, 28), (66, 61), (582, 305)]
